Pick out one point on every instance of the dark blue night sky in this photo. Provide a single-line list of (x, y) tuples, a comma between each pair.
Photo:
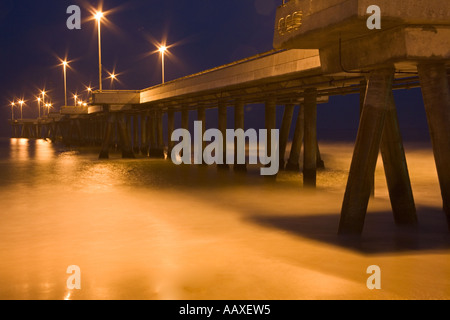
[(207, 33)]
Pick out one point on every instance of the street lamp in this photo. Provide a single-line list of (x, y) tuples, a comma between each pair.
[(65, 81), (113, 77), (39, 106), (12, 110), (98, 16), (75, 99), (43, 99), (162, 50), (21, 102)]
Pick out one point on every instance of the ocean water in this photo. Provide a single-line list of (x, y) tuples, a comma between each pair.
[(147, 229)]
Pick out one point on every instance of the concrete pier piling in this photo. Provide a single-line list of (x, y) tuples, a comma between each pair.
[(222, 126), (184, 121), (108, 136), (156, 136), (396, 169), (125, 141), (170, 130), (144, 135), (284, 133), (310, 139), (366, 151), (270, 124), (239, 123), (436, 96), (201, 116), (136, 147), (293, 163)]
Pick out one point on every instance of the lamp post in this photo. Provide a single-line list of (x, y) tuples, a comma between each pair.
[(75, 99), (39, 106), (162, 50), (21, 102), (65, 81), (98, 16), (43, 100), (12, 110)]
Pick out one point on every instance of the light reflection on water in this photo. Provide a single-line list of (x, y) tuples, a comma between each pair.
[(146, 229)]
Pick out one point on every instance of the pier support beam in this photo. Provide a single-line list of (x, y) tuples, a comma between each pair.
[(136, 134), (222, 126), (396, 169), (284, 134), (270, 123), (293, 163), (436, 96), (201, 116), (184, 121), (170, 130), (239, 123), (125, 140), (107, 139), (311, 146), (144, 135), (362, 97), (366, 151), (157, 141)]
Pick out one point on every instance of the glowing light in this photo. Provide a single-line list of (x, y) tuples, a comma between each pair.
[(162, 49), (98, 15)]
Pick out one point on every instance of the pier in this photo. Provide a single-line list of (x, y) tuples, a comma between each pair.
[(320, 50)]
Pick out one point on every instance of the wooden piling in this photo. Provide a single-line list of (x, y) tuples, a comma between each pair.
[(436, 96), (366, 151)]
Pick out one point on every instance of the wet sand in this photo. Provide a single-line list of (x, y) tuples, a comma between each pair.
[(146, 229)]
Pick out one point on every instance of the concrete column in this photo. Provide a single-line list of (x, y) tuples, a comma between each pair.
[(136, 134), (310, 139), (144, 134), (184, 121), (366, 151), (436, 96), (125, 141), (159, 134), (151, 134), (201, 116), (222, 126), (109, 131), (293, 163), (284, 133), (239, 123), (170, 130), (362, 97), (396, 169)]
